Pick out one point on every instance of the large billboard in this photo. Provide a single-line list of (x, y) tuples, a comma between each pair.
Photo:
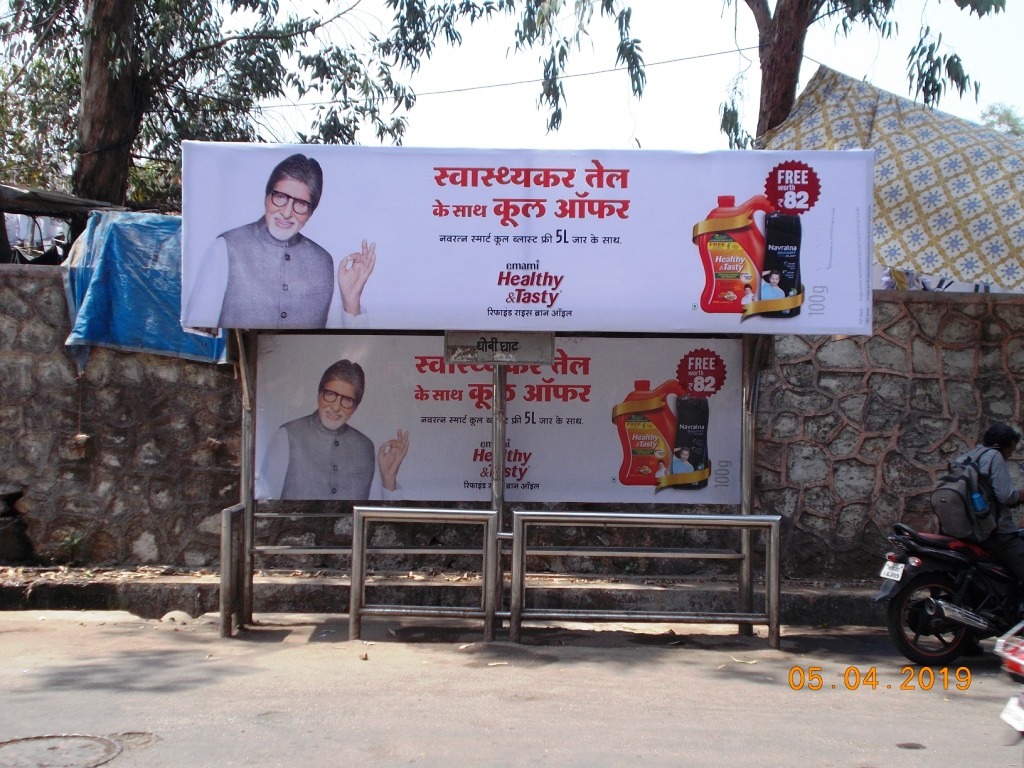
[(358, 417), (392, 238)]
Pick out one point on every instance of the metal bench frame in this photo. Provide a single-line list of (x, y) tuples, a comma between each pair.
[(524, 522)]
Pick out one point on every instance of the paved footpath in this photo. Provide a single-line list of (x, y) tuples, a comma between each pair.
[(293, 691)]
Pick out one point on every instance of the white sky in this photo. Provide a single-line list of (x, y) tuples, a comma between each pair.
[(463, 101)]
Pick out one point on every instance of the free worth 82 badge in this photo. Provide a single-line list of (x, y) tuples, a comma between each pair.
[(793, 187), (701, 372)]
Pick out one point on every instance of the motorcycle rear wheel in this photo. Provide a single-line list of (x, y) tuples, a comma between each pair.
[(924, 639)]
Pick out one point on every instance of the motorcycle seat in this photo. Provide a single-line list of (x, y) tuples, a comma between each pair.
[(942, 541), (966, 549)]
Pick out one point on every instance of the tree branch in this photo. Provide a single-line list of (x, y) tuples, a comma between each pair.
[(173, 66), (37, 43)]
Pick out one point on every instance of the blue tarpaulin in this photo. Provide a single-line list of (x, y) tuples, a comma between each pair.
[(123, 285)]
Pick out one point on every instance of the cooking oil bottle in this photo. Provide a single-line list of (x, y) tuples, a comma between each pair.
[(647, 428), (732, 251)]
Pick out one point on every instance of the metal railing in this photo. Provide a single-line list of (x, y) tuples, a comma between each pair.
[(363, 517), (524, 521), (234, 575)]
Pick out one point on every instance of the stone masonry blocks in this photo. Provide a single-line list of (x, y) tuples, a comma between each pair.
[(131, 463)]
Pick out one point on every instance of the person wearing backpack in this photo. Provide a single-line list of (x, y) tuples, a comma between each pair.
[(997, 445)]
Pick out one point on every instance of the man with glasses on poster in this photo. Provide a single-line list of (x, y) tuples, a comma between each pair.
[(267, 274), (321, 456)]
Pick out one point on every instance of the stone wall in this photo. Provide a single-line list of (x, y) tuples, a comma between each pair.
[(129, 463), (132, 462), (851, 432)]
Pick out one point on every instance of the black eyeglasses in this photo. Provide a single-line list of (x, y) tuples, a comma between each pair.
[(299, 206), (330, 397)]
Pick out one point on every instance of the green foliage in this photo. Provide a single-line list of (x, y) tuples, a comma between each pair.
[(873, 13), (931, 71), (783, 29), (203, 69), (37, 95), (71, 548), (1004, 118), (156, 184), (730, 124), (35, 129), (420, 25), (982, 7), (199, 69)]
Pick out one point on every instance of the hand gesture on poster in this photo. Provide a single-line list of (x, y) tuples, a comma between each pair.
[(353, 272), (389, 458)]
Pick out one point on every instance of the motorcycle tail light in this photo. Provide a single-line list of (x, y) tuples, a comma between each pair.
[(892, 557), (1013, 660)]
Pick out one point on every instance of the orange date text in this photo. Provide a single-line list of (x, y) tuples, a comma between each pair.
[(857, 678)]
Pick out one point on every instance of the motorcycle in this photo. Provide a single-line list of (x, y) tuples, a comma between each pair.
[(944, 594)]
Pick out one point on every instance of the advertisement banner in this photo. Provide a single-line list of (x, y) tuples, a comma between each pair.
[(394, 238), (370, 417)]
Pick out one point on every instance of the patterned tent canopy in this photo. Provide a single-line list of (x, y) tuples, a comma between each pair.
[(949, 194)]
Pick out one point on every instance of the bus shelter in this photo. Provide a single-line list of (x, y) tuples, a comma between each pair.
[(459, 332)]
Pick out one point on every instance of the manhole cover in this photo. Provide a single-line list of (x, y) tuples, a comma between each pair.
[(65, 751)]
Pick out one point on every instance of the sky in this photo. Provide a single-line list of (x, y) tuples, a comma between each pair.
[(482, 95)]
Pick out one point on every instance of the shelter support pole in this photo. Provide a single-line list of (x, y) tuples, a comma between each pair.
[(755, 350), (498, 444), (498, 487), (247, 374)]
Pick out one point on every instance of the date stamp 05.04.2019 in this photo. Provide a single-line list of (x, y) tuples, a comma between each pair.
[(867, 678)]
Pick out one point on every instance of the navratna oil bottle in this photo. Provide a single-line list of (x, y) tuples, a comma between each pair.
[(692, 434), (782, 257), (647, 428), (732, 250)]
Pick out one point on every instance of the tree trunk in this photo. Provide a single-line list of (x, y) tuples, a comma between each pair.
[(782, 49), (108, 118)]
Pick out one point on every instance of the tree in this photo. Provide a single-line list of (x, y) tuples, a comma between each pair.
[(156, 72), (782, 34), (1003, 118), (36, 130), (419, 24), (152, 73)]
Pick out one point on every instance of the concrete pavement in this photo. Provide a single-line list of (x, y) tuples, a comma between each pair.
[(293, 691)]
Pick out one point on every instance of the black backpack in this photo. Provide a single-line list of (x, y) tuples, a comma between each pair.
[(962, 500)]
